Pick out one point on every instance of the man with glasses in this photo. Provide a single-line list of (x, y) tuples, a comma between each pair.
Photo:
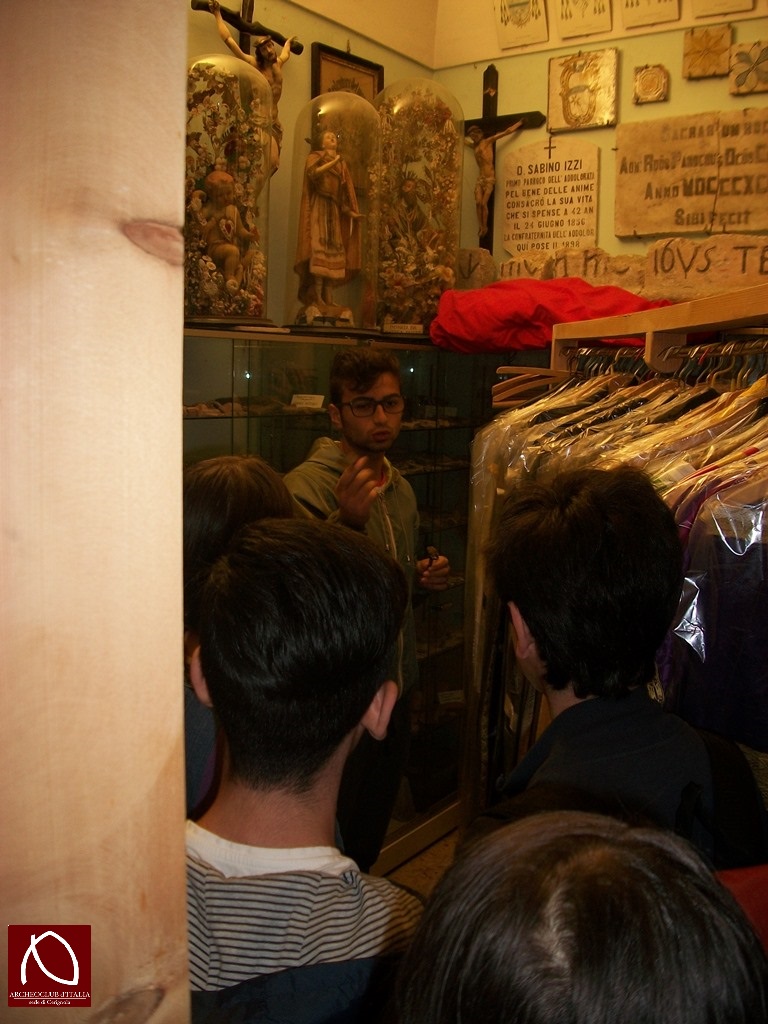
[(351, 481)]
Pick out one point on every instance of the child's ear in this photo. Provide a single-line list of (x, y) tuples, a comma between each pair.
[(379, 711), (197, 678), (191, 643), (522, 638)]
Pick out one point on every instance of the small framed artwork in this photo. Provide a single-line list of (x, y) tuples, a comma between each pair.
[(337, 71), (651, 84), (519, 22), (749, 68), (582, 90), (650, 12), (707, 51)]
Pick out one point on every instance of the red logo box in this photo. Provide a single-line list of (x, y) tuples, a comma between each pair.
[(49, 965)]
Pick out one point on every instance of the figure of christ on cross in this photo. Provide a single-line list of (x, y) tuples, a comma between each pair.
[(484, 151), (484, 148)]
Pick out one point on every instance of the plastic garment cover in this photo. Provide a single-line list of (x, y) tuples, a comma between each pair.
[(520, 442), (705, 451), (714, 666)]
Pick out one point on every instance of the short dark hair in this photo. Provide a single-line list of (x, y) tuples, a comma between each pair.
[(593, 560), (298, 622), (220, 496), (573, 917), (359, 369)]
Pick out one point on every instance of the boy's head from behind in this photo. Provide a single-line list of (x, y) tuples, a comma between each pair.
[(592, 560), (298, 625), (221, 495)]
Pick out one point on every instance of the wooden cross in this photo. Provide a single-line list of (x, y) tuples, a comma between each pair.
[(246, 27), (492, 124)]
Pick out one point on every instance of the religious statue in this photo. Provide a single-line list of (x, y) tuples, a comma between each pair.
[(328, 251), (486, 182), (269, 62), (227, 239)]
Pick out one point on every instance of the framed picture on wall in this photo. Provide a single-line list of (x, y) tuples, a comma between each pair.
[(582, 90), (337, 71)]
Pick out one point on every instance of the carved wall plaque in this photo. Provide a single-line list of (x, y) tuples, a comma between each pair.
[(550, 195), (749, 68), (582, 90), (677, 269), (686, 175), (706, 51)]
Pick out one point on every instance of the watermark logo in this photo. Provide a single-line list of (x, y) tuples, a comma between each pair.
[(49, 965)]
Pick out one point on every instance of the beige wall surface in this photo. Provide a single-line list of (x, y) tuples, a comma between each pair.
[(523, 85), (447, 33)]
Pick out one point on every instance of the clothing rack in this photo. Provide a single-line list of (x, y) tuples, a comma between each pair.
[(522, 385), (663, 341), (707, 452), (730, 364), (667, 327)]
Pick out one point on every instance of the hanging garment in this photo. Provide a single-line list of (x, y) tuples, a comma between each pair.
[(715, 673), (705, 451)]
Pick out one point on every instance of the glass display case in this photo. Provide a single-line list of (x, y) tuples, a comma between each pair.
[(265, 392), (229, 159), (419, 200), (333, 222)]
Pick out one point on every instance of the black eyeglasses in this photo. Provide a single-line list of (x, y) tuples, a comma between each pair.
[(363, 407)]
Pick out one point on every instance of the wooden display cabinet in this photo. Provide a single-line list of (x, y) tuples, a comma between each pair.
[(265, 392)]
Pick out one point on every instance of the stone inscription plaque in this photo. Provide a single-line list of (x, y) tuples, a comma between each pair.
[(677, 269), (550, 196), (685, 175)]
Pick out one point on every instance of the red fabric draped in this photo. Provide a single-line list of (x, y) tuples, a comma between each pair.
[(519, 314)]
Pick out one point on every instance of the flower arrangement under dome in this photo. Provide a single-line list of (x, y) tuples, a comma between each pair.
[(229, 133), (418, 184)]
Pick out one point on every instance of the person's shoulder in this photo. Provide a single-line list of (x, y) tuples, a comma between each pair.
[(394, 892), (325, 461), (325, 452), (347, 991), (397, 908), (391, 913)]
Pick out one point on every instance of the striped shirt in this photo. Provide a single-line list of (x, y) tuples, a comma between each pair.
[(254, 911)]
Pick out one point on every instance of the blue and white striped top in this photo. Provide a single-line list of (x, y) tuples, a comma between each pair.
[(253, 910)]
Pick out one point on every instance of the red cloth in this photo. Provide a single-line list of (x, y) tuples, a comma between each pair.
[(750, 887), (520, 314)]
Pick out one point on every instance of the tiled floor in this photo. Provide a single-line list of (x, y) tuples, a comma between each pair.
[(424, 870)]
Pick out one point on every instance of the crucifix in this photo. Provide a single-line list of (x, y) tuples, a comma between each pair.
[(246, 27), (482, 134)]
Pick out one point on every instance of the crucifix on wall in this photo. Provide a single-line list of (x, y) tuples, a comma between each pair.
[(246, 26), (482, 134)]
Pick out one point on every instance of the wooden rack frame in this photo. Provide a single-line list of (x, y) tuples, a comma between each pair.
[(524, 384), (665, 331), (667, 327)]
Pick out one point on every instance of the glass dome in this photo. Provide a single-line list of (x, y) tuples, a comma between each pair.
[(229, 139), (422, 153), (333, 216)]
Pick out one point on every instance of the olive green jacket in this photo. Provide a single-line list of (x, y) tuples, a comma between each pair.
[(393, 523)]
